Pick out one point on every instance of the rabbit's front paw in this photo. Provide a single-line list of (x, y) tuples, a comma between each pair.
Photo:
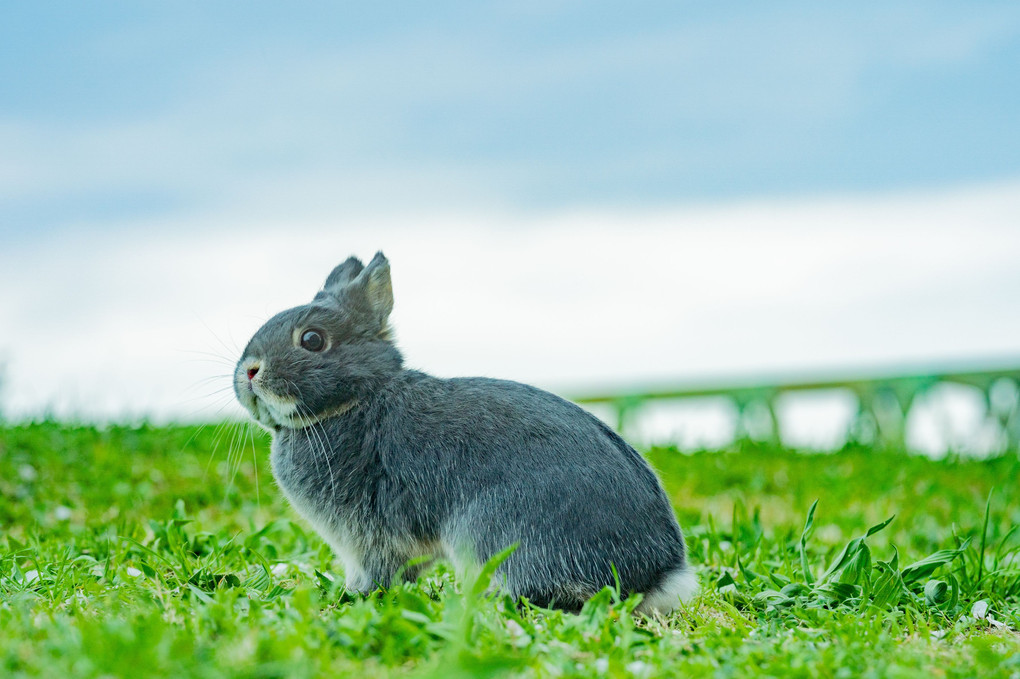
[(360, 583), (367, 577), (356, 579)]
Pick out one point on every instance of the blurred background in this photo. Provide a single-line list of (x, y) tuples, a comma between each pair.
[(604, 199)]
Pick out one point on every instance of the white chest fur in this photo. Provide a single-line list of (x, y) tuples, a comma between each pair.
[(312, 501)]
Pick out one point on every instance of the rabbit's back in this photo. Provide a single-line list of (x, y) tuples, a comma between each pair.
[(480, 464)]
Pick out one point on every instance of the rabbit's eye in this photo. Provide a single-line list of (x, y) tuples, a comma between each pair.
[(312, 340)]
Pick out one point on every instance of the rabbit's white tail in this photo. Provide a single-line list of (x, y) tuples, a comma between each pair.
[(680, 585)]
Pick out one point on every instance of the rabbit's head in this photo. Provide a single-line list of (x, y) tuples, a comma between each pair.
[(315, 361)]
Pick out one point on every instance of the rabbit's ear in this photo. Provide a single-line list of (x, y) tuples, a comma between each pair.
[(343, 275), (376, 286)]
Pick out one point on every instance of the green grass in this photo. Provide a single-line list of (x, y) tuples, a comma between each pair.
[(151, 551)]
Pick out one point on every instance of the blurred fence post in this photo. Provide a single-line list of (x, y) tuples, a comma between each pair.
[(756, 417), (1002, 406), (624, 408)]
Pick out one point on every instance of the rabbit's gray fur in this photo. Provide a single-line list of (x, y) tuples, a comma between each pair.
[(390, 464)]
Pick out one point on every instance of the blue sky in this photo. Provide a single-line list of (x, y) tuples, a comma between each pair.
[(111, 112)]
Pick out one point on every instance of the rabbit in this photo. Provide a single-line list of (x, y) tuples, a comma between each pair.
[(392, 465)]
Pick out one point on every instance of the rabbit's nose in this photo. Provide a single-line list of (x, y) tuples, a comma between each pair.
[(252, 372)]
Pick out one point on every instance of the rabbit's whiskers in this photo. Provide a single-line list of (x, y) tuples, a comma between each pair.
[(322, 440)]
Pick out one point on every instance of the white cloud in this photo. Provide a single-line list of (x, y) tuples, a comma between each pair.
[(111, 324)]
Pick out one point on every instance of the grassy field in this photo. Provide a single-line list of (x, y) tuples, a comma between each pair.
[(155, 552)]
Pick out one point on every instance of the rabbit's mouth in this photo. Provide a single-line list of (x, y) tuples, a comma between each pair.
[(264, 407), (259, 409), (268, 409), (273, 411)]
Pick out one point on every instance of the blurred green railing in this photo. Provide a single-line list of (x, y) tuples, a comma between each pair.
[(884, 401)]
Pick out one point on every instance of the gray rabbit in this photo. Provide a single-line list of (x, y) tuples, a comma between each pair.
[(390, 464)]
